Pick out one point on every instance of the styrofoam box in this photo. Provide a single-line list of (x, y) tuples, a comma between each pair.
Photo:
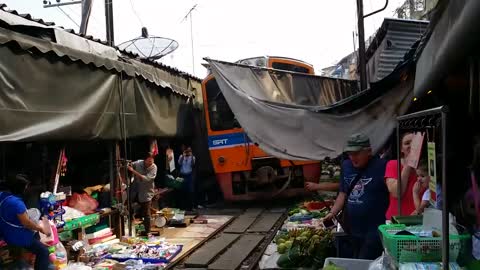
[(349, 264)]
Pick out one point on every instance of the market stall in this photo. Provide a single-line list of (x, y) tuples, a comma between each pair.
[(304, 240), (436, 239)]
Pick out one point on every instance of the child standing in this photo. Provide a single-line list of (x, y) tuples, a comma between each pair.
[(421, 191)]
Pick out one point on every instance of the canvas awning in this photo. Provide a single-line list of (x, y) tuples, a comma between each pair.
[(305, 117), (453, 37), (52, 92)]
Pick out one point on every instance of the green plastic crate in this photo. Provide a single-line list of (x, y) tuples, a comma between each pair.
[(411, 248), (408, 220)]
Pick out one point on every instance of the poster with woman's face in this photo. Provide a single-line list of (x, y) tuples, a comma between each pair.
[(170, 159), (415, 149)]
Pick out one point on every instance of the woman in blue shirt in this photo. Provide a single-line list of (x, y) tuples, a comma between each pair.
[(16, 228)]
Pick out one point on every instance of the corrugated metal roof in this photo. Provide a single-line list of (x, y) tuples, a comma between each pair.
[(392, 41), (91, 38)]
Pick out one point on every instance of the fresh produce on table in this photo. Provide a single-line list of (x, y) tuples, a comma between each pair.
[(303, 247), (332, 266), (310, 209)]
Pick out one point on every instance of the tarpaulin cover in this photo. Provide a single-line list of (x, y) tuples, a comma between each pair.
[(295, 116), (46, 97), (453, 38)]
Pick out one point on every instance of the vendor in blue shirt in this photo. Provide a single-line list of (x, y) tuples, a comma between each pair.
[(365, 194), (16, 228)]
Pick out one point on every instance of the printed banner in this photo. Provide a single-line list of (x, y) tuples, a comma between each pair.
[(415, 149), (432, 172)]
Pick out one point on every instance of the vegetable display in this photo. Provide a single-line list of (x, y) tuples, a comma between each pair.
[(303, 247)]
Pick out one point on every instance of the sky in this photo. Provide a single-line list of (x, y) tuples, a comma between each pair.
[(319, 32)]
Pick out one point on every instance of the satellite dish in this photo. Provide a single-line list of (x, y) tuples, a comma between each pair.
[(149, 47)]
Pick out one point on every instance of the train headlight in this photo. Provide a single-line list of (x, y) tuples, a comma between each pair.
[(221, 160)]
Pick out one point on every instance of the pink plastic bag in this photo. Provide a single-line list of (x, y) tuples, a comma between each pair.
[(83, 203), (53, 238)]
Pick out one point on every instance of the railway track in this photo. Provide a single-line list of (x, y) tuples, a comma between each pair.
[(239, 245)]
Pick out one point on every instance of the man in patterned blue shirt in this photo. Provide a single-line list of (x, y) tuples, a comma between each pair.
[(364, 196)]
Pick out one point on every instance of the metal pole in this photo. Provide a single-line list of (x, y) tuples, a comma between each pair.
[(3, 163), (109, 22), (111, 164), (445, 215), (354, 43), (433, 111), (399, 173), (125, 167), (361, 47), (62, 4), (191, 39), (377, 11), (86, 12)]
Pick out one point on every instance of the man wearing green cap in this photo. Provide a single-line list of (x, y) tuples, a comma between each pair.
[(363, 196)]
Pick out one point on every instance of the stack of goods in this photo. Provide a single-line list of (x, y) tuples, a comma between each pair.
[(51, 206), (104, 236), (131, 253), (138, 265), (304, 247), (162, 253), (84, 221)]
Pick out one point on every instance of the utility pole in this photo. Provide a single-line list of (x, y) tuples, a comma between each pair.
[(86, 10), (189, 15), (361, 42), (48, 4), (361, 46), (109, 22)]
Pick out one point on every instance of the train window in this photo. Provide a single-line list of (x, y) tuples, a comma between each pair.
[(289, 67), (220, 114)]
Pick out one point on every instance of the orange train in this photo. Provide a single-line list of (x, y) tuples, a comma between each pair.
[(243, 171)]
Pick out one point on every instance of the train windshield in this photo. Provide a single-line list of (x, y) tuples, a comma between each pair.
[(220, 114), (289, 67)]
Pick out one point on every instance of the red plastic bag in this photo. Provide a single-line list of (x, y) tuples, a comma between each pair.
[(83, 203)]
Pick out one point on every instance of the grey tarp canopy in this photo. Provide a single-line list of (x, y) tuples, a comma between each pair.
[(49, 91), (315, 122), (452, 38)]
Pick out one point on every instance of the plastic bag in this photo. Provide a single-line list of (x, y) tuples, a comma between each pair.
[(383, 262), (377, 264), (58, 256), (53, 238), (77, 266), (83, 203), (72, 213)]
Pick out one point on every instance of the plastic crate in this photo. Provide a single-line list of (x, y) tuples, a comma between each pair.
[(408, 220), (411, 248), (349, 264)]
